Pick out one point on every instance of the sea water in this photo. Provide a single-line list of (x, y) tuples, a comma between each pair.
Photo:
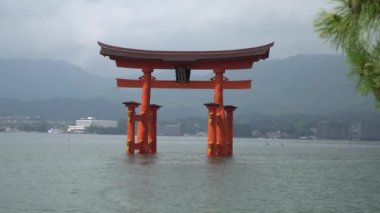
[(91, 173)]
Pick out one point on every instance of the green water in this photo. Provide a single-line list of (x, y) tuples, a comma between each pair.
[(90, 173)]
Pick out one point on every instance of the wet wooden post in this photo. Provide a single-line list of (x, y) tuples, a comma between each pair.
[(229, 129), (153, 128), (131, 118), (220, 116), (142, 134), (211, 129)]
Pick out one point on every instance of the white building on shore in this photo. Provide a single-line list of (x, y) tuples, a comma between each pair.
[(83, 123)]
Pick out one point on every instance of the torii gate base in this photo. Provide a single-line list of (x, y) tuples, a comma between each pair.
[(220, 130), (143, 146), (220, 117)]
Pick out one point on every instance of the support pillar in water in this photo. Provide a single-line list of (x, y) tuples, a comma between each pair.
[(142, 131), (229, 129), (152, 141), (211, 129), (131, 119)]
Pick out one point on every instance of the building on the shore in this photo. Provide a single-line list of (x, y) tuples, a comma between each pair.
[(55, 131), (335, 130), (91, 121), (83, 123), (272, 134), (76, 129), (276, 134), (366, 131), (258, 134), (338, 130)]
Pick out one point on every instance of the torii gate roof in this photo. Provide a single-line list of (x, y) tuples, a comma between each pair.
[(226, 59)]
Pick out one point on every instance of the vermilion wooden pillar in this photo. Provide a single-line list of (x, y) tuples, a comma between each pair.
[(142, 134), (229, 129), (131, 118), (218, 88), (211, 129), (153, 128), (220, 124)]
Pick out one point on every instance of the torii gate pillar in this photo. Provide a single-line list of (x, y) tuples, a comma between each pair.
[(151, 146), (220, 122), (131, 118), (229, 109), (143, 134), (211, 129), (153, 128)]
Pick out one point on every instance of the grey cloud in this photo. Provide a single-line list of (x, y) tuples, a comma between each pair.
[(68, 30)]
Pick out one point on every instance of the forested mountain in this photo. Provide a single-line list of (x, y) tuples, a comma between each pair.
[(30, 79)]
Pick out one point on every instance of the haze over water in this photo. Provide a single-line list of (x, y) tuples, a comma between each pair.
[(90, 173)]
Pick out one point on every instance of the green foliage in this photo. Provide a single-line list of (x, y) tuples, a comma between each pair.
[(119, 130), (354, 28), (34, 127), (104, 130), (193, 125)]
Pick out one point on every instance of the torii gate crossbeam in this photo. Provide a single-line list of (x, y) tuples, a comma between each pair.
[(168, 84)]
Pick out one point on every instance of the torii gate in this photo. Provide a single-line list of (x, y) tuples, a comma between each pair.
[(220, 116)]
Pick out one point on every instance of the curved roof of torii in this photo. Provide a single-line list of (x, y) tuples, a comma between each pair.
[(226, 59)]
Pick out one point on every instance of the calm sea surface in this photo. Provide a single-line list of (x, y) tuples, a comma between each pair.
[(90, 173)]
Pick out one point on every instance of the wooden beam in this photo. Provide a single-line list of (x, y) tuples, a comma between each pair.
[(169, 84)]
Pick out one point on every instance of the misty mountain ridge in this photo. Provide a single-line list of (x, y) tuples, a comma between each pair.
[(31, 79), (309, 84)]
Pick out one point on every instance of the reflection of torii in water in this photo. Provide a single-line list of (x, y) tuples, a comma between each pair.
[(220, 116)]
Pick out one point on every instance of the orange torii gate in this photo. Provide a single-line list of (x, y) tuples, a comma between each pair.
[(220, 116)]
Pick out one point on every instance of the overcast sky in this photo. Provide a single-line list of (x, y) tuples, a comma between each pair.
[(68, 30)]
